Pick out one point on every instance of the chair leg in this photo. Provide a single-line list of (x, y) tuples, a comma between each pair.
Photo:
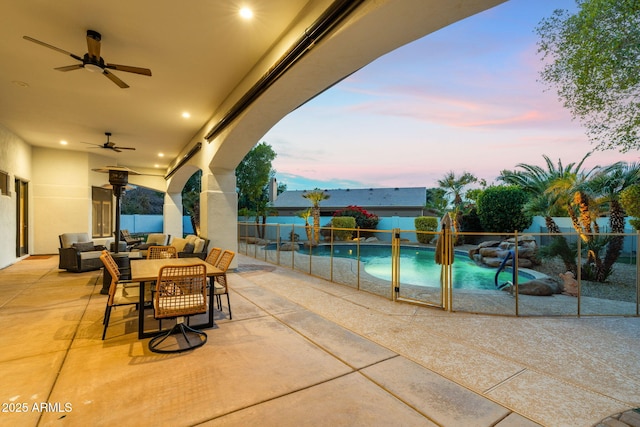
[(106, 312), (182, 328), (229, 305), (107, 315)]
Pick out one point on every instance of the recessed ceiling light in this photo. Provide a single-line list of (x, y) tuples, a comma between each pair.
[(63, 142), (156, 166), (186, 115), (246, 13), (160, 154)]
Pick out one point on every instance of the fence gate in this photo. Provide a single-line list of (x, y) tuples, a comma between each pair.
[(430, 289)]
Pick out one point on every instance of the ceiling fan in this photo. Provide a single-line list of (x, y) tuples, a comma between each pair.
[(110, 145), (92, 60)]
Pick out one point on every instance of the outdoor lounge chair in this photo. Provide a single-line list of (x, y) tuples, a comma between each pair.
[(78, 253)]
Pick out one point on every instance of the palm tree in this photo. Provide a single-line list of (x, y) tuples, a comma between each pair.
[(605, 187), (453, 187), (305, 214), (551, 192), (315, 197), (537, 181)]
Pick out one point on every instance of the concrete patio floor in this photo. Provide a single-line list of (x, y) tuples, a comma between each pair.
[(303, 351)]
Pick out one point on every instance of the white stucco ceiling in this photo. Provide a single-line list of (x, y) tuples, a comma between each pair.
[(202, 56)]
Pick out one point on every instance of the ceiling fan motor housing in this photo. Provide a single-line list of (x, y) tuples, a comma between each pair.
[(94, 35)]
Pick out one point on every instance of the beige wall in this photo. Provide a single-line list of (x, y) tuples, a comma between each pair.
[(61, 196), (15, 159)]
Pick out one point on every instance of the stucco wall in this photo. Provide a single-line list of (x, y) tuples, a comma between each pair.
[(61, 195), (15, 159)]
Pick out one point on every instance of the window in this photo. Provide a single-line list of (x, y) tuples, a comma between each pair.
[(4, 183), (102, 200)]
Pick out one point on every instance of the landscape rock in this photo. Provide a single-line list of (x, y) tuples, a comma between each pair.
[(491, 253), (537, 287), (570, 284), (289, 246)]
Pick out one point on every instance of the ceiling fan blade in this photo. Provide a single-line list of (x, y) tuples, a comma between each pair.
[(115, 79), (93, 43), (126, 148), (129, 69), (64, 52), (117, 150), (92, 144), (70, 67)]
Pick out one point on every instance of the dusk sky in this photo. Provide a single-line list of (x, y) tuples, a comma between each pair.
[(466, 98)]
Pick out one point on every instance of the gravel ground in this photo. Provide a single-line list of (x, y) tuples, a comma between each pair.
[(620, 286)]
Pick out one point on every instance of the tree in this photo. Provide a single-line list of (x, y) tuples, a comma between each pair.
[(591, 58), (536, 181), (142, 201), (606, 187), (305, 214), (191, 200), (453, 187), (630, 200), (315, 197), (436, 201), (500, 209), (253, 175)]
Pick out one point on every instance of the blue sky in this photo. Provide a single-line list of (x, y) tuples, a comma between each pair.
[(466, 98)]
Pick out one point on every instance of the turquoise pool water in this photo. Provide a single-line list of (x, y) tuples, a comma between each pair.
[(417, 266)]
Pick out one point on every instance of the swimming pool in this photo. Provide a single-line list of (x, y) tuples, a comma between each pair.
[(417, 266)]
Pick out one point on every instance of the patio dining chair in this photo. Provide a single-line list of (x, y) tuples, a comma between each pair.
[(213, 255), (181, 291), (162, 252), (121, 292), (220, 284)]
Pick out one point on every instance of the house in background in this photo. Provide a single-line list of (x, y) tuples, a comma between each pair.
[(384, 202)]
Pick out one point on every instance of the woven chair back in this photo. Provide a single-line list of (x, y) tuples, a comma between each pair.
[(114, 271), (212, 257), (225, 260), (162, 252), (181, 291)]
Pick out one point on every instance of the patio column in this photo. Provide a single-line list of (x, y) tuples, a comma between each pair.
[(173, 214), (219, 209)]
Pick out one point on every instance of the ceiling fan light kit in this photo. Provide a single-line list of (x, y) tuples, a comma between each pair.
[(92, 61)]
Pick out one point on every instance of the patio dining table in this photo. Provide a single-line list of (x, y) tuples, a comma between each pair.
[(146, 271)]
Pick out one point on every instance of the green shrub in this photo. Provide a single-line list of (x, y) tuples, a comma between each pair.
[(343, 222), (425, 223), (470, 222), (630, 201), (364, 219), (501, 209)]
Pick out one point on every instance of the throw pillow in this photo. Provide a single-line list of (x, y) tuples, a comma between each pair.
[(199, 245), (188, 248), (179, 243), (83, 246)]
